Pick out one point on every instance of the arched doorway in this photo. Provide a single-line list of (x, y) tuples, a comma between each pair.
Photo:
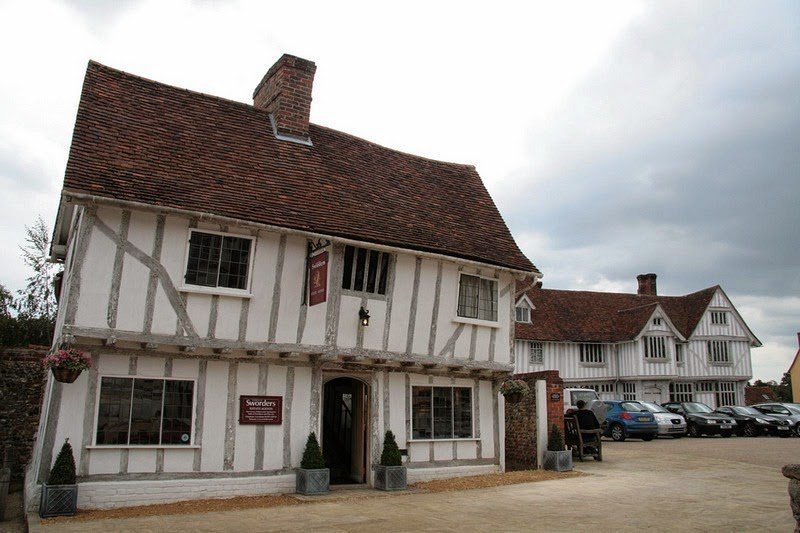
[(344, 430)]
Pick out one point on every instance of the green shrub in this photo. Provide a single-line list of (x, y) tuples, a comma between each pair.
[(63, 471), (312, 455), (555, 442), (391, 453)]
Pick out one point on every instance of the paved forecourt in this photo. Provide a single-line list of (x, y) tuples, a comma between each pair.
[(665, 485)]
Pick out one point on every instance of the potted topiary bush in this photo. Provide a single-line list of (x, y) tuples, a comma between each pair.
[(514, 389), (390, 474), (556, 457), (67, 365), (312, 476), (60, 493)]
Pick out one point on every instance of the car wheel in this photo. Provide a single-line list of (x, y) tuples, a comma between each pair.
[(648, 438), (797, 430), (617, 432), (750, 430), (693, 430), (677, 436), (726, 434)]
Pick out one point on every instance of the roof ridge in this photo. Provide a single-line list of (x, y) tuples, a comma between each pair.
[(651, 304), (245, 105)]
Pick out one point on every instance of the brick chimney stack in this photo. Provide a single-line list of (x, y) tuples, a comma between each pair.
[(647, 284), (285, 91)]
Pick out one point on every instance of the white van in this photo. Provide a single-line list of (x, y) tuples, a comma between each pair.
[(593, 401)]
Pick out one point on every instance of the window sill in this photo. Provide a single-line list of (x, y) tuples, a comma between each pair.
[(476, 322), (594, 365), (657, 360), (143, 447), (363, 294), (719, 364), (215, 291), (470, 439)]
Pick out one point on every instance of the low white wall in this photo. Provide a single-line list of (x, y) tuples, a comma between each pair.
[(416, 475)]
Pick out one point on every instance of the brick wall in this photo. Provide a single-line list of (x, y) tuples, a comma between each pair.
[(21, 386), (521, 419)]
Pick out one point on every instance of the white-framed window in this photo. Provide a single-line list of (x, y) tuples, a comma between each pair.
[(726, 393), (592, 353), (719, 318), (679, 353), (629, 391), (477, 297), (718, 351), (657, 321), (133, 411), (537, 353), (441, 413), (655, 347), (365, 270), (607, 388), (523, 314), (706, 386), (218, 260), (681, 392)]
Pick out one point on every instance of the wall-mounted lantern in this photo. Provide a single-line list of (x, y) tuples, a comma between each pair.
[(363, 317)]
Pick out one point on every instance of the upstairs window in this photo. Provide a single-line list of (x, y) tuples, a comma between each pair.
[(537, 353), (679, 356), (657, 321), (718, 352), (523, 314), (655, 347), (607, 388), (592, 353), (218, 260), (365, 270), (477, 298), (719, 318)]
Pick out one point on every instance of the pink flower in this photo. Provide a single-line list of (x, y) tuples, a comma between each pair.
[(71, 359)]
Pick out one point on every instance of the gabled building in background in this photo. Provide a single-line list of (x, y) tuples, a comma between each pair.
[(242, 278), (637, 346), (794, 373)]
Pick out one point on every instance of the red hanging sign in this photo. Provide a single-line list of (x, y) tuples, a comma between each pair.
[(318, 279), (260, 409)]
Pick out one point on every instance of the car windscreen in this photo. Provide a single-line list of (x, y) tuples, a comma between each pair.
[(746, 411), (587, 396), (694, 407), (654, 408), (793, 408), (632, 407)]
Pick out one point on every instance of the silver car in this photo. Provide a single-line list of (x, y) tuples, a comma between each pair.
[(670, 424)]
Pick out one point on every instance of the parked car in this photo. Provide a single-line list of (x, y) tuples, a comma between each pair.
[(751, 422), (787, 411), (701, 419), (669, 424), (629, 419)]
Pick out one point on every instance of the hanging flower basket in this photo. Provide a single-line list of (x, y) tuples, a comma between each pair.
[(514, 389), (67, 365)]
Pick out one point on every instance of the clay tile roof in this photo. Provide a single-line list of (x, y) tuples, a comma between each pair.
[(585, 316), (142, 141)]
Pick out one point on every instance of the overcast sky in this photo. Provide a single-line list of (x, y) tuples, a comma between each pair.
[(617, 138)]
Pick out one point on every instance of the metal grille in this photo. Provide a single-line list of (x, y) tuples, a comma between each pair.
[(655, 347), (365, 270), (681, 392), (719, 318), (313, 481), (58, 500), (726, 393), (592, 353), (629, 391)]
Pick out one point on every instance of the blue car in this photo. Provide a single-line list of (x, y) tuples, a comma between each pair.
[(629, 419)]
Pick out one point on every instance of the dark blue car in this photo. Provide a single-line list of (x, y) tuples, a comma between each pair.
[(629, 419)]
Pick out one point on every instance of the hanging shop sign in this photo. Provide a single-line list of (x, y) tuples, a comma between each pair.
[(318, 278), (260, 409)]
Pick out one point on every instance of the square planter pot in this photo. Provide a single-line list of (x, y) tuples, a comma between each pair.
[(58, 500), (558, 461), (310, 482), (390, 477)]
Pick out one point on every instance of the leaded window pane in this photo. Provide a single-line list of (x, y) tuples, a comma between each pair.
[(462, 413), (361, 261), (176, 426), (234, 263), (146, 411), (113, 413), (468, 296), (347, 274), (203, 265), (421, 409), (442, 413)]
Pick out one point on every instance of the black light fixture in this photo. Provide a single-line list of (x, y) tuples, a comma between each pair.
[(363, 317)]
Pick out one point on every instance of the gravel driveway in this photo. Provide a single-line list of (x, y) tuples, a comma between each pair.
[(707, 484)]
